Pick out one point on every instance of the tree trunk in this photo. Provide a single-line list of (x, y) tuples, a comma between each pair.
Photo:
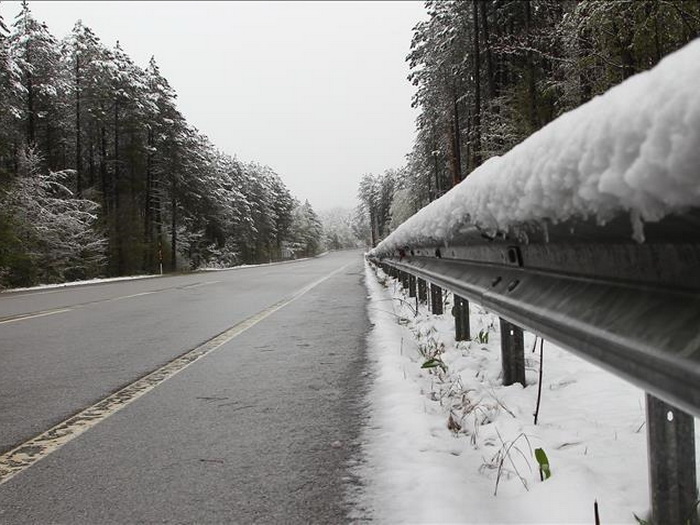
[(148, 210), (116, 171), (91, 160), (530, 72), (476, 155), (455, 139), (372, 227), (490, 73), (106, 196), (584, 78), (173, 234), (116, 190), (31, 132), (78, 143)]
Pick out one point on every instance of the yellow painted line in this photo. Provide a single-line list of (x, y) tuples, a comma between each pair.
[(35, 315), (29, 453)]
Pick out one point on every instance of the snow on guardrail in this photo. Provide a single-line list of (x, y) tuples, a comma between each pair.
[(634, 149)]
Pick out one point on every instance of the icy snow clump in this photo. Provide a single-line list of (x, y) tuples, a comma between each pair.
[(635, 150)]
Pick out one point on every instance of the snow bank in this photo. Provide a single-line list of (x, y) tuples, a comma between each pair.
[(79, 283), (635, 149)]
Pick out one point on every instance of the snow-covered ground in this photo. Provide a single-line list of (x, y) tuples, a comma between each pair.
[(453, 445), (150, 276), (79, 283)]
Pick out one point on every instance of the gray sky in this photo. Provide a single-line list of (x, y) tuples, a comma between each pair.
[(316, 90)]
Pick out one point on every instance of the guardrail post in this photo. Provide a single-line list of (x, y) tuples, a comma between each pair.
[(512, 353), (671, 447), (436, 299), (405, 278), (411, 285), (422, 291), (461, 314)]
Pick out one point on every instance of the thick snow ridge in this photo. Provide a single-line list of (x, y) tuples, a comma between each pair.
[(634, 150)]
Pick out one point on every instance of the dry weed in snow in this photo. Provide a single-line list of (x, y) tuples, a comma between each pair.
[(449, 443)]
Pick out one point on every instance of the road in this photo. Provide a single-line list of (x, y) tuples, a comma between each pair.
[(258, 425)]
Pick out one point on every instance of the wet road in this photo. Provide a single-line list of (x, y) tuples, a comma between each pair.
[(260, 429)]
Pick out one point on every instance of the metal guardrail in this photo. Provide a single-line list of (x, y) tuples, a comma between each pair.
[(630, 307)]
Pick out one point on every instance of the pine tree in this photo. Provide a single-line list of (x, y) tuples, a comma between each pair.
[(9, 84), (37, 55)]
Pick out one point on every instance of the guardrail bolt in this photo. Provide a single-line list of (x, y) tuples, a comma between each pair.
[(411, 285), (436, 299), (512, 353), (422, 291), (461, 313), (514, 256), (672, 477)]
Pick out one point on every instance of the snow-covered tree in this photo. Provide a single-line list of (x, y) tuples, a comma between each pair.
[(307, 231), (488, 73), (55, 231), (376, 193), (110, 132), (37, 56), (9, 89), (86, 61), (338, 229)]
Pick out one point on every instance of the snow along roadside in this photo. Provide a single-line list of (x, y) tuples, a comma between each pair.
[(416, 470), (79, 283), (150, 276)]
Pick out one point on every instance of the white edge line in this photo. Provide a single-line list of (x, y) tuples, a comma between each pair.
[(34, 316)]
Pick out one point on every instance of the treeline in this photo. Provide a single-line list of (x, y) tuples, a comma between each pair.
[(489, 73), (100, 174)]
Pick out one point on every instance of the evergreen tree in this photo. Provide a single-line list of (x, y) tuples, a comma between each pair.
[(308, 231), (108, 140), (54, 235), (37, 56), (489, 73)]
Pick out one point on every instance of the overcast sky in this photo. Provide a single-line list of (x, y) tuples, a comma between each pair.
[(316, 90)]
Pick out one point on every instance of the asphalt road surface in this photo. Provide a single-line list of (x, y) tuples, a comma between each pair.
[(261, 429)]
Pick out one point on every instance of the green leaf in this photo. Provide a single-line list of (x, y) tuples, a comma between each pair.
[(434, 363), (543, 461)]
